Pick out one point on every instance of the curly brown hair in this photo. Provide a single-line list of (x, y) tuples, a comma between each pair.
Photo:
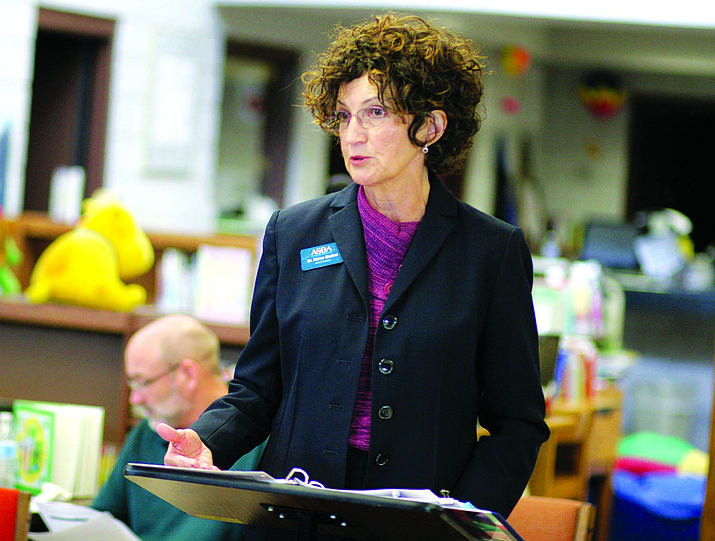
[(418, 67)]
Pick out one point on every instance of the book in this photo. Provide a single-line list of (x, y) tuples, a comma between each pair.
[(223, 282), (60, 444), (174, 282), (66, 193)]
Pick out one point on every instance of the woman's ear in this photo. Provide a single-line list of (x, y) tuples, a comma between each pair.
[(436, 124)]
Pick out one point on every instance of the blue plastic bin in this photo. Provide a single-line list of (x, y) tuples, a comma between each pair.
[(656, 507)]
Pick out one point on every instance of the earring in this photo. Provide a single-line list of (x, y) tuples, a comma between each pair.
[(425, 149)]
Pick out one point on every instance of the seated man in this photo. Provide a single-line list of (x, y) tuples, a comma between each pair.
[(172, 366)]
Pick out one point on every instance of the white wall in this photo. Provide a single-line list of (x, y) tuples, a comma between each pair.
[(178, 201), (576, 184), (17, 34), (584, 166), (185, 201), (584, 159), (480, 173)]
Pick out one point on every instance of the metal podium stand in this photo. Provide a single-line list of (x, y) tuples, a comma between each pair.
[(249, 498)]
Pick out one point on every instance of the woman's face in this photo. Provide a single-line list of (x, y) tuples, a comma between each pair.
[(380, 156)]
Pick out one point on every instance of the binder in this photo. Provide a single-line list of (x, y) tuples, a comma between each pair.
[(257, 499)]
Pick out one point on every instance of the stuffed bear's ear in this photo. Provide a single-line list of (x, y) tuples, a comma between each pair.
[(109, 217)]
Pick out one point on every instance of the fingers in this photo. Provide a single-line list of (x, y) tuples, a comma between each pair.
[(174, 459), (185, 448), (167, 432), (183, 441)]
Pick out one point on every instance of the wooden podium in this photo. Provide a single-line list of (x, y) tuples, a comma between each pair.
[(257, 499)]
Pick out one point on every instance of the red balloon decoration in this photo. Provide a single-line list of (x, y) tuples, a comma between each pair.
[(515, 60), (602, 95), (511, 105)]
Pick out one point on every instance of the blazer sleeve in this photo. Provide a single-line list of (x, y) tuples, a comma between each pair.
[(512, 403), (239, 421)]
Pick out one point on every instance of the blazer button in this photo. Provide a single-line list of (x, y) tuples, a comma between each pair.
[(389, 322), (386, 366), (382, 459), (385, 412)]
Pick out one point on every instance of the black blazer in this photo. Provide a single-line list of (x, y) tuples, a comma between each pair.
[(457, 343)]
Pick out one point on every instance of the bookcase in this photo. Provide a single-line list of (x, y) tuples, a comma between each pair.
[(34, 231), (71, 354)]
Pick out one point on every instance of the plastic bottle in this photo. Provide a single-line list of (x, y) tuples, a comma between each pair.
[(8, 451)]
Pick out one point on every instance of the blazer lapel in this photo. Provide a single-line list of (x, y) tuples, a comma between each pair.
[(346, 227), (438, 221)]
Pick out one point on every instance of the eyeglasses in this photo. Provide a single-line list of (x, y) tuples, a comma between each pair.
[(367, 118), (135, 384)]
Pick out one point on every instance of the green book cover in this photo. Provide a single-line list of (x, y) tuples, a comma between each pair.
[(60, 444), (34, 429)]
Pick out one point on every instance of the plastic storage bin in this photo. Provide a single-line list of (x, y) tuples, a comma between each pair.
[(664, 406), (656, 507), (669, 397)]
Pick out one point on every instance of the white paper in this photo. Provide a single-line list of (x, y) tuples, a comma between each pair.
[(66, 192), (101, 528), (59, 516), (659, 255), (70, 522)]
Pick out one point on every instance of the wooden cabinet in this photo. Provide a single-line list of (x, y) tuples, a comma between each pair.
[(71, 354), (581, 451)]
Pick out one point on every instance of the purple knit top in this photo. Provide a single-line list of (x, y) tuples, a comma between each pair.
[(386, 243)]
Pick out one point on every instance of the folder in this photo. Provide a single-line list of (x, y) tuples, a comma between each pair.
[(257, 499)]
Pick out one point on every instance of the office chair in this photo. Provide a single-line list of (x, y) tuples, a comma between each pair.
[(541, 518)]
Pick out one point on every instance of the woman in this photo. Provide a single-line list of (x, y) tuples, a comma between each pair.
[(390, 317)]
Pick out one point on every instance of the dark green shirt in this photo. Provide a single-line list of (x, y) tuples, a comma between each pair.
[(150, 517)]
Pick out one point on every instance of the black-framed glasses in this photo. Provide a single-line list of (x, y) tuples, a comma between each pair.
[(135, 384), (368, 118)]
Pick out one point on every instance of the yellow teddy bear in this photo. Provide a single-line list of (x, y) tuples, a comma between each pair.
[(88, 265)]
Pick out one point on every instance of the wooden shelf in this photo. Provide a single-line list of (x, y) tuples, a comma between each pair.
[(18, 310), (34, 231), (39, 226), (72, 354)]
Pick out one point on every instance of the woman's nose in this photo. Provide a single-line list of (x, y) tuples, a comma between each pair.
[(353, 131)]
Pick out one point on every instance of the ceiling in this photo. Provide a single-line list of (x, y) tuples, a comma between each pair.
[(626, 46)]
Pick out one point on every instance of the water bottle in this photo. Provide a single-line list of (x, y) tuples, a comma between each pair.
[(8, 451)]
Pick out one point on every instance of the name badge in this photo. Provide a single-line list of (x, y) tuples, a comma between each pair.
[(320, 256)]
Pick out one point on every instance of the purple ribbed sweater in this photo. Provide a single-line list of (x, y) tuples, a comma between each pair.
[(386, 243)]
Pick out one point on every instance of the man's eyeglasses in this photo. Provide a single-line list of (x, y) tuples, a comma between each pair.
[(367, 118), (135, 384)]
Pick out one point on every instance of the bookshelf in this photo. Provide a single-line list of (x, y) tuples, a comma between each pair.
[(34, 231), (72, 354)]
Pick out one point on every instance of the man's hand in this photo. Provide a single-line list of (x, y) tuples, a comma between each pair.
[(185, 448)]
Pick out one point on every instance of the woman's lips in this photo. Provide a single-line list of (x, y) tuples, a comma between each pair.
[(358, 160)]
